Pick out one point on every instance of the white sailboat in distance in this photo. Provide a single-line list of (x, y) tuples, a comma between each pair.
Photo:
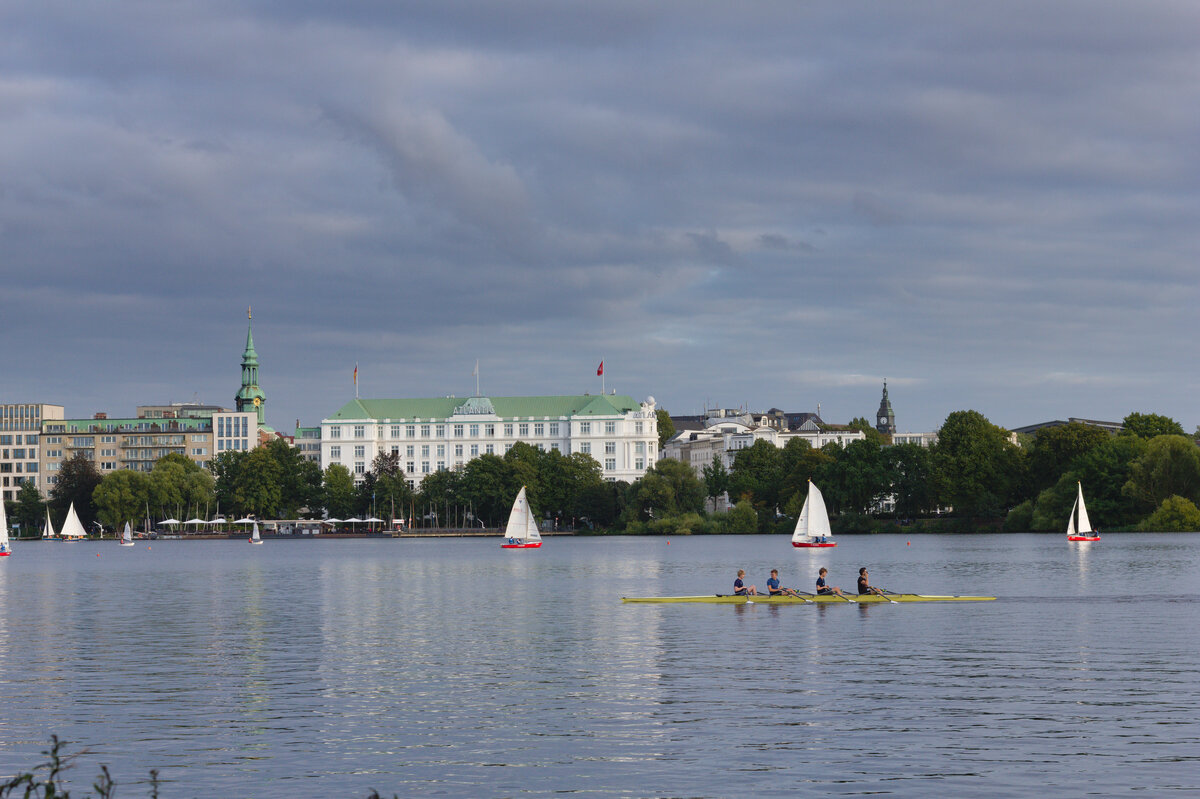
[(812, 528), (255, 538), (1084, 531), (521, 532), (72, 529), (48, 530), (127, 536), (5, 546)]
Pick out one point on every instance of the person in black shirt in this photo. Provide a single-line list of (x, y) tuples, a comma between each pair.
[(864, 586)]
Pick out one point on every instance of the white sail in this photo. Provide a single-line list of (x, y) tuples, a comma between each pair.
[(72, 527), (814, 519), (1071, 519), (254, 536), (520, 520), (48, 530), (4, 547), (127, 536), (1085, 525)]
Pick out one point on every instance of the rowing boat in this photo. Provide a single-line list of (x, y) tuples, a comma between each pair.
[(865, 599)]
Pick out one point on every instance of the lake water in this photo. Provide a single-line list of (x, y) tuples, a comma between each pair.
[(452, 668)]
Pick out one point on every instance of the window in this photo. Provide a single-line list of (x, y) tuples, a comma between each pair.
[(491, 449), (335, 453), (585, 428), (410, 430), (360, 451), (424, 467), (554, 446), (554, 428), (424, 431), (508, 430), (360, 467), (539, 430), (610, 428), (441, 431), (474, 450), (410, 450), (458, 431), (637, 427), (395, 431), (474, 431), (586, 447), (640, 447), (441, 466), (610, 448), (335, 431), (523, 430), (441, 450), (489, 430), (458, 450), (424, 450), (410, 466), (610, 464), (360, 431), (639, 463)]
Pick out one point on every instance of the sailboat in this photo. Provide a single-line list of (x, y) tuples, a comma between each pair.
[(72, 529), (521, 531), (255, 538), (48, 530), (127, 536), (1084, 531), (5, 546), (812, 528)]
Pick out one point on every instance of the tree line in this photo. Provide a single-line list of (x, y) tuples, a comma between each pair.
[(974, 477)]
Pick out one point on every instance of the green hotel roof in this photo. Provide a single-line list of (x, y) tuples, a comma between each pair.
[(505, 407)]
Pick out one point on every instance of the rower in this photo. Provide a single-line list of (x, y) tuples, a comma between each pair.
[(740, 588), (822, 588), (865, 587), (773, 587)]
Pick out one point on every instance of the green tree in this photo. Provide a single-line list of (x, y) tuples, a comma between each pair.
[(488, 488), (226, 469), (122, 496), (757, 471), (77, 481), (666, 428), (338, 489), (801, 463), (440, 493), (1170, 466), (669, 488), (1174, 515), (389, 487), (741, 518), (861, 424), (857, 478), (179, 488), (716, 478), (978, 469), (1054, 449), (28, 510), (258, 487), (913, 485), (299, 483), (1151, 425)]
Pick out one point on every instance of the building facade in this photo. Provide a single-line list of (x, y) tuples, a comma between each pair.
[(20, 443), (429, 435), (885, 418), (136, 444)]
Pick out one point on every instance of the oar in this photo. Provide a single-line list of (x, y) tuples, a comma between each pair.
[(883, 592), (792, 592)]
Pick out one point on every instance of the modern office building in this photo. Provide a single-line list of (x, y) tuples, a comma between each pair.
[(20, 433), (445, 433)]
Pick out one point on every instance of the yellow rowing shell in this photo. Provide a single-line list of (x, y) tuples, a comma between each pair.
[(865, 599)]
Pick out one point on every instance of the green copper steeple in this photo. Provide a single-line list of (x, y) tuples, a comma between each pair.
[(250, 397)]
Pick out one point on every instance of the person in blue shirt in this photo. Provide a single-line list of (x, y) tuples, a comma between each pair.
[(773, 587), (822, 588), (740, 588)]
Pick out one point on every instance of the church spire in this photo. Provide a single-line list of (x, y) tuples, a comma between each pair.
[(885, 419), (250, 398)]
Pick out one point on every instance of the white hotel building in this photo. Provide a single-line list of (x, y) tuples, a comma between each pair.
[(445, 433)]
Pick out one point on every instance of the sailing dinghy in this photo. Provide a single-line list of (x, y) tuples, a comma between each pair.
[(521, 531), (1084, 531), (812, 528), (5, 546), (255, 538), (72, 529), (48, 530), (127, 536)]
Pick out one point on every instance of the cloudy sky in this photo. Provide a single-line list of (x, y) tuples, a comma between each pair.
[(994, 206)]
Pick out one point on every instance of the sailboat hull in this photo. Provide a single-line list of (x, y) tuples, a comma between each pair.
[(816, 545), (1083, 538), (125, 543), (527, 545), (4, 554)]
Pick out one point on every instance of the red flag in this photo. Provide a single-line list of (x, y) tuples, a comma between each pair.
[(356, 374), (600, 369)]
